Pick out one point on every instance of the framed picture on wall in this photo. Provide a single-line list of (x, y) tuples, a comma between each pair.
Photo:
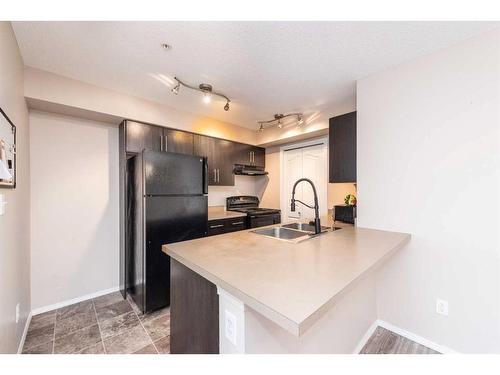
[(7, 152)]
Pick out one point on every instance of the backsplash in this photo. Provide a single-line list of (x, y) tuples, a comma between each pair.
[(243, 185)]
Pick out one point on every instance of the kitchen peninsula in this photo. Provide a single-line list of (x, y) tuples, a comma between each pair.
[(246, 293)]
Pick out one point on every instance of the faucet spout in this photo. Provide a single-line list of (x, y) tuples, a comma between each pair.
[(317, 223)]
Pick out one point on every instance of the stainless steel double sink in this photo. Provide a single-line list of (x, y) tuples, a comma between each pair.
[(293, 232)]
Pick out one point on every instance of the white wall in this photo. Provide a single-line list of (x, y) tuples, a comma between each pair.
[(428, 164), (74, 220), (14, 225)]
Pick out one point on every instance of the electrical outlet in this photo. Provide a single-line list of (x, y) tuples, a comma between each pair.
[(442, 307), (230, 326), (17, 313)]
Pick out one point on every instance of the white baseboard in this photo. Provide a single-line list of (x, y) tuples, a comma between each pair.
[(58, 305), (25, 332), (414, 337)]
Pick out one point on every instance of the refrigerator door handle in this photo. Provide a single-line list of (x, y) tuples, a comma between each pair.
[(205, 176)]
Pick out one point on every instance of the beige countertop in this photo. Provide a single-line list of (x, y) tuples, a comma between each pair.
[(219, 212), (292, 284)]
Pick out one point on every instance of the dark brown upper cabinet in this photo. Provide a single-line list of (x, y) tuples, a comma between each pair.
[(142, 136), (342, 148), (249, 155), (220, 163), (178, 141)]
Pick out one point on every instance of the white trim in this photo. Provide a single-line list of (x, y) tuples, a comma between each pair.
[(58, 305), (418, 339), (25, 332), (366, 337), (300, 144)]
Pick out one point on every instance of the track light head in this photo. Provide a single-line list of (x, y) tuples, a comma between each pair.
[(279, 124), (261, 127), (175, 90), (226, 107), (206, 98), (300, 121)]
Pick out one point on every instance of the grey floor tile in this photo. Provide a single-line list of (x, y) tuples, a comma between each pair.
[(94, 349), (77, 341), (119, 324), (77, 308), (113, 310), (154, 314), (149, 349), (107, 299), (75, 322), (39, 336), (163, 345), (127, 342), (45, 348), (42, 320), (158, 328)]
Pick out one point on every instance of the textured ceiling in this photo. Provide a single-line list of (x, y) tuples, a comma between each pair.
[(264, 67)]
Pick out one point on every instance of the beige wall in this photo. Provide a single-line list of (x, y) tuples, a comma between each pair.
[(15, 224), (50, 92), (440, 115), (74, 217)]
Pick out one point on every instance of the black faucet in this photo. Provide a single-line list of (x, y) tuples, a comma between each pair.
[(317, 223)]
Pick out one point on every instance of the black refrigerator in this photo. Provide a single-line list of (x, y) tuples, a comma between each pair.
[(166, 203)]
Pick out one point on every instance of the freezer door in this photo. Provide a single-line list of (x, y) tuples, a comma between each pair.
[(169, 219), (167, 173)]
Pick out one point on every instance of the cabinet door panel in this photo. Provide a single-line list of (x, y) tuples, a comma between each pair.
[(342, 143), (141, 136), (225, 163), (178, 141), (204, 146), (258, 156)]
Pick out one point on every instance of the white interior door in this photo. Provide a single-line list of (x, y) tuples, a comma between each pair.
[(314, 167), (292, 172), (306, 162)]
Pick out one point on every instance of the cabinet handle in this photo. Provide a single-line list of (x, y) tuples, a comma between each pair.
[(161, 143), (166, 143), (218, 175), (238, 222), (216, 226), (215, 175)]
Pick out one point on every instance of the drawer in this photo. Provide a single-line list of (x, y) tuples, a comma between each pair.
[(226, 225)]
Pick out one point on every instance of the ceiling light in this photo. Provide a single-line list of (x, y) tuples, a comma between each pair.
[(278, 117), (205, 88), (166, 46)]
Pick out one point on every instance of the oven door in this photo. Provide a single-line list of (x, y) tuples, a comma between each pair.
[(263, 220)]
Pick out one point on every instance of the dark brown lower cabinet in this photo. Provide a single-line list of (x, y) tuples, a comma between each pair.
[(194, 312), (226, 225)]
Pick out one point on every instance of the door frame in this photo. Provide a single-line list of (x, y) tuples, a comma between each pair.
[(291, 146)]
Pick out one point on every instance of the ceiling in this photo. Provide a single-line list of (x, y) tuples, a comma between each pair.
[(263, 67)]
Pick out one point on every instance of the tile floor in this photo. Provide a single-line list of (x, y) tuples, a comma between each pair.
[(112, 325), (103, 325)]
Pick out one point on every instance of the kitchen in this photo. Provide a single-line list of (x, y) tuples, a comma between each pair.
[(173, 211)]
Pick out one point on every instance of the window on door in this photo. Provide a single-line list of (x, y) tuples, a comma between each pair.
[(308, 161)]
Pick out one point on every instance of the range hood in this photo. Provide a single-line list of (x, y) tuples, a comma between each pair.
[(249, 170)]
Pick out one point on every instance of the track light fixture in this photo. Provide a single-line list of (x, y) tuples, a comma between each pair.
[(278, 119), (204, 88)]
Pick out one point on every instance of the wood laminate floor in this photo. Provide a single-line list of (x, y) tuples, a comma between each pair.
[(384, 341), (103, 325)]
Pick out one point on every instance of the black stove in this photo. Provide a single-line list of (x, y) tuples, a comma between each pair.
[(256, 216)]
